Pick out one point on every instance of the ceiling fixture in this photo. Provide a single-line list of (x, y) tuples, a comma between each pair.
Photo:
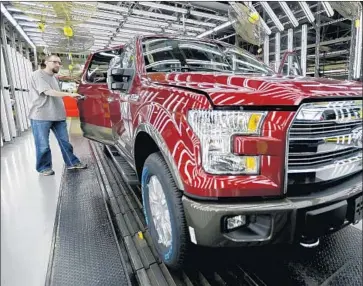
[(306, 9), (154, 15), (289, 13), (208, 15), (147, 28), (272, 15), (164, 7), (328, 9)]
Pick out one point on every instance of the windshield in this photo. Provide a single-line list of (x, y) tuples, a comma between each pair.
[(177, 55)]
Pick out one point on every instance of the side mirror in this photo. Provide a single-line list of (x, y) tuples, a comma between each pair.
[(119, 78)]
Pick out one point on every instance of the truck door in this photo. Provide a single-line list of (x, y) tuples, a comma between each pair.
[(94, 109), (122, 102)]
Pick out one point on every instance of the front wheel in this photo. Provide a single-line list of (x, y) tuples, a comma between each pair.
[(164, 211)]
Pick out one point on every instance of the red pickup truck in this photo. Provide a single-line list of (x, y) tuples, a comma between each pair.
[(228, 153)]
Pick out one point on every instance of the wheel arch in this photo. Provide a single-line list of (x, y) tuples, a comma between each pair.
[(147, 135)]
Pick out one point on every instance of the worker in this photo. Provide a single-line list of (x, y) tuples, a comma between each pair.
[(47, 112)]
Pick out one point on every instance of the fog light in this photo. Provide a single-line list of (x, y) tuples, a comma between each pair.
[(236, 221)]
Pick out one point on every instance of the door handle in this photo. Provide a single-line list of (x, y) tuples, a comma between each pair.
[(81, 97)]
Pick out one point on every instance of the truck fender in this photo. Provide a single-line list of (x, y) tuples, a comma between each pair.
[(159, 140)]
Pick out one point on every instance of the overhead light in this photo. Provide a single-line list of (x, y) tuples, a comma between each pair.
[(163, 7), (97, 37), (99, 14), (272, 15), (16, 25), (121, 39), (109, 15), (51, 19), (100, 32), (33, 12), (289, 13), (151, 22), (208, 15), (134, 32), (191, 28), (97, 27), (201, 23), (24, 17), (102, 22), (328, 9), (28, 24), (124, 36), (36, 4), (152, 14), (306, 9), (147, 28), (118, 42), (112, 7), (100, 41)]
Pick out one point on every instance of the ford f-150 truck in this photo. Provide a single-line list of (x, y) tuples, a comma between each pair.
[(227, 152)]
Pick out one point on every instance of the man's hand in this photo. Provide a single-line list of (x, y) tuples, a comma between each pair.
[(77, 96)]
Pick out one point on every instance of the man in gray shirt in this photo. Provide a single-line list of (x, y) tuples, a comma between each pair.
[(47, 113)]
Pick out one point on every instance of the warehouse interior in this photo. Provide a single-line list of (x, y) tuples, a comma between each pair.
[(87, 227)]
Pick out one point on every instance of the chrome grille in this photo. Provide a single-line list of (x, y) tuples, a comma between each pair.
[(325, 142), (312, 129)]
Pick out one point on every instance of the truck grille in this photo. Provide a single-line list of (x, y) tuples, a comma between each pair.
[(325, 143)]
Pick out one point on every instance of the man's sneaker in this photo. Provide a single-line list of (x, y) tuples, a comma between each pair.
[(77, 166), (48, 172)]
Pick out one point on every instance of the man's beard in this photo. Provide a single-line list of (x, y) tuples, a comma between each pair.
[(55, 70)]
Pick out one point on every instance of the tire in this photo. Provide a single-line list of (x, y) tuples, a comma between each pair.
[(173, 254)]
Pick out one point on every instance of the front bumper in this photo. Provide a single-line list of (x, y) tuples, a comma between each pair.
[(276, 221)]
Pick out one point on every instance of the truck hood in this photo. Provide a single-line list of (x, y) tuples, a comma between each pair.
[(276, 90)]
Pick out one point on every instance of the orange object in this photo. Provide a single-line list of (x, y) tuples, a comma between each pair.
[(71, 106)]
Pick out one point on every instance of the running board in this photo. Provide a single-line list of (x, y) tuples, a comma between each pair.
[(126, 171)]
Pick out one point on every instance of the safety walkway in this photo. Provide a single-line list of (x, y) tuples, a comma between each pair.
[(85, 249)]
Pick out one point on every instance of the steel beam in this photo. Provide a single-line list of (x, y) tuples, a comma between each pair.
[(266, 50), (357, 64), (325, 43), (304, 44), (317, 44), (277, 51), (352, 55), (290, 46)]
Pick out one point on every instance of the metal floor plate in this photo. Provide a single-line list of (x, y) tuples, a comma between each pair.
[(85, 248)]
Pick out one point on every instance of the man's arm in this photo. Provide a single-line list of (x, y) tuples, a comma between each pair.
[(55, 93), (43, 87)]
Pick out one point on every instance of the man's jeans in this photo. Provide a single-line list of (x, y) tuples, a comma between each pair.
[(41, 129)]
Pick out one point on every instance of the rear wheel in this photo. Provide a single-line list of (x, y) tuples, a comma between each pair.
[(164, 211)]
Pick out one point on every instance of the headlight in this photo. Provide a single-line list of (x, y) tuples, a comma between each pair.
[(215, 129)]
